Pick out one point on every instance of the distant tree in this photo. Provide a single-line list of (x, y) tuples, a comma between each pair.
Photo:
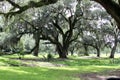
[(95, 19), (112, 7), (112, 37), (60, 36)]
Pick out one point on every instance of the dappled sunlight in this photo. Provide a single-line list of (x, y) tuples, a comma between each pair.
[(94, 68), (110, 67), (59, 39), (34, 69), (14, 70), (2, 64), (65, 68)]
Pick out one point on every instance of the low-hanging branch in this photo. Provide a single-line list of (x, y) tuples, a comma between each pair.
[(112, 8), (31, 4)]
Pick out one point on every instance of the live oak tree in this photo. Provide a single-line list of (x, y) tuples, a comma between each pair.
[(57, 27), (114, 31), (62, 29), (112, 37), (94, 21), (94, 40), (115, 34)]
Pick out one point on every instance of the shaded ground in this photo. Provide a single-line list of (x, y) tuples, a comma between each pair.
[(37, 63), (100, 76)]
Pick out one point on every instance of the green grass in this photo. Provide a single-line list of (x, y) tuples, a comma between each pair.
[(89, 62), (39, 73), (74, 67), (34, 73)]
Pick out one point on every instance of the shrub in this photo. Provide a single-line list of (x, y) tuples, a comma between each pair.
[(49, 56)]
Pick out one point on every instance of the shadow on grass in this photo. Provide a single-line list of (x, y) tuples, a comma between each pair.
[(34, 73), (87, 62)]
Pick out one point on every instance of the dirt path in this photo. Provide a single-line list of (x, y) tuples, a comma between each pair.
[(37, 63), (41, 64), (101, 76)]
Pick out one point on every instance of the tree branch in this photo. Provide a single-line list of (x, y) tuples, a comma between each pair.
[(31, 4), (58, 27), (112, 8), (13, 4)]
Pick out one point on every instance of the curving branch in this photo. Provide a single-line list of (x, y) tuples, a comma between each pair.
[(31, 4), (112, 8)]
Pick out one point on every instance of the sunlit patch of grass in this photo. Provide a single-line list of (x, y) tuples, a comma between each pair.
[(13, 70), (34, 73), (7, 62), (117, 55), (65, 68)]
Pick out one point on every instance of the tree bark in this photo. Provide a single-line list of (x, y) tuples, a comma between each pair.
[(62, 51), (37, 41), (98, 52), (36, 50), (86, 50), (113, 50), (72, 52)]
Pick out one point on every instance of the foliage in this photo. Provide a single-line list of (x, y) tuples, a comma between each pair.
[(65, 24), (49, 56)]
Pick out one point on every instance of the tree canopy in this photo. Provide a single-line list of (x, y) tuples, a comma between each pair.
[(62, 24)]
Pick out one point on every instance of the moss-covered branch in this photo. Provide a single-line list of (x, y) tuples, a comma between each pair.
[(112, 8), (31, 4)]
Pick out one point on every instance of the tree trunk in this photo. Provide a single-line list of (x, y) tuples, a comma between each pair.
[(86, 50), (36, 36), (36, 49), (72, 52), (98, 52), (62, 55), (113, 50), (62, 51)]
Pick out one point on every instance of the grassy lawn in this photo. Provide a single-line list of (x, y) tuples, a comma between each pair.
[(73, 67)]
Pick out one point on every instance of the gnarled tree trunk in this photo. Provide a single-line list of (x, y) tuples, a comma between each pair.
[(62, 51)]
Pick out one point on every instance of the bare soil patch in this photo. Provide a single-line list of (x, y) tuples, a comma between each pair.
[(37, 63), (101, 76)]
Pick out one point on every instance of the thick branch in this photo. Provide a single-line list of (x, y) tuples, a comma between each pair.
[(28, 6), (112, 8), (58, 27), (13, 4)]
